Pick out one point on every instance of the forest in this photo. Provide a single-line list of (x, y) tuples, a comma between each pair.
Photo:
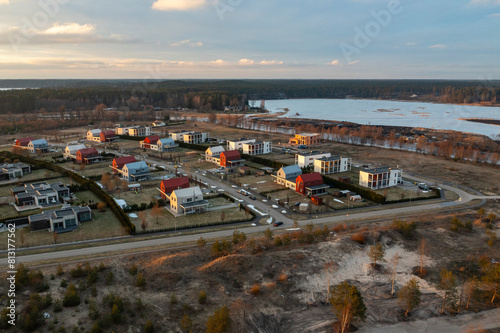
[(207, 95)]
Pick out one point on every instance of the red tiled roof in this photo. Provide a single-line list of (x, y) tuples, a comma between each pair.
[(109, 133), (24, 141), (231, 155), (311, 177), (152, 139), (121, 161), (87, 152), (174, 183)]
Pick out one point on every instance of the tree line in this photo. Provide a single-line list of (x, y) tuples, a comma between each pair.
[(217, 94)]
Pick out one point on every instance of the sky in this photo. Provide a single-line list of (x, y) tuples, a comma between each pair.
[(287, 39)]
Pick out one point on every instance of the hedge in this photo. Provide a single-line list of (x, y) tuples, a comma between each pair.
[(85, 183), (199, 147), (194, 226), (364, 192), (264, 161), (132, 138)]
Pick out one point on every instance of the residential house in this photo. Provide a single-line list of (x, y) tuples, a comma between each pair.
[(305, 160), (88, 156), (40, 194), (230, 160), (23, 142), (139, 131), (212, 154), (158, 123), (60, 220), (149, 141), (306, 139), (135, 171), (179, 136), (310, 184), (238, 144), (70, 151), (10, 171), (94, 135), (38, 146), (119, 162), (332, 164), (188, 201), (287, 176), (195, 137), (108, 136), (382, 177), (166, 144), (172, 184), (257, 148)]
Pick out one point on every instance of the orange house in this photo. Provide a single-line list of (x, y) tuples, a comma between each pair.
[(230, 159), (119, 162), (87, 156), (23, 142)]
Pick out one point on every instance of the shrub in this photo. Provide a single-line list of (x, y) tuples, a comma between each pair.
[(149, 328), (140, 281), (404, 228), (278, 241), (255, 290), (358, 238), (64, 283), (71, 297), (58, 307), (133, 269), (202, 297)]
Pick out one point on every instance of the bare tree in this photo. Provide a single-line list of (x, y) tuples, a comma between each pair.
[(394, 263)]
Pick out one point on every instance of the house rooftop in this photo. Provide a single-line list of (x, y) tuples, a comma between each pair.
[(312, 153), (377, 170)]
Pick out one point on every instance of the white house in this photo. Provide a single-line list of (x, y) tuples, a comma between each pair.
[(94, 135), (70, 151), (257, 148), (305, 160), (135, 171), (238, 144), (195, 137), (378, 178), (332, 164), (139, 131), (212, 154), (188, 201), (179, 136)]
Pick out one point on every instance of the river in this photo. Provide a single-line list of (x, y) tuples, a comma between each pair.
[(396, 113)]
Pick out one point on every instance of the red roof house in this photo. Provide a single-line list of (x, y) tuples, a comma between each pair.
[(170, 185), (119, 162), (108, 136), (87, 156), (23, 142), (150, 140), (308, 180), (230, 158)]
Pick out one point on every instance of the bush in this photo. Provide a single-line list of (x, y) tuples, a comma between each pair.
[(58, 307), (358, 238), (71, 297), (404, 228), (133, 269), (63, 283), (149, 328), (255, 290), (202, 297), (140, 281)]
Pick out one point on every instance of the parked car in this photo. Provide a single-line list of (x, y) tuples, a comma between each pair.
[(277, 224), (252, 197)]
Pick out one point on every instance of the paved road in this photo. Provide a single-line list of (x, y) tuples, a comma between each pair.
[(464, 197)]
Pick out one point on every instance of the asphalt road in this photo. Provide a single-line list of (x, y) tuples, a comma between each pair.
[(261, 206)]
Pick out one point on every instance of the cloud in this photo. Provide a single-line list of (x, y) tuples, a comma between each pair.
[(4, 2), (411, 44), (354, 62), (168, 5), (218, 62), (495, 15), (335, 62), (485, 2), (271, 62), (70, 33), (70, 29), (187, 42), (437, 46), (246, 62)]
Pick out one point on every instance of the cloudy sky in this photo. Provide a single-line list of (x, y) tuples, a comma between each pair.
[(329, 39)]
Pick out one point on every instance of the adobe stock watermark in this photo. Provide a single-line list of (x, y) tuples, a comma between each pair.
[(37, 23), (224, 6), (372, 29), (149, 82)]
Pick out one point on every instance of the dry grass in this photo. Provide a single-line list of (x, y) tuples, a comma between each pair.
[(255, 289), (358, 238)]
